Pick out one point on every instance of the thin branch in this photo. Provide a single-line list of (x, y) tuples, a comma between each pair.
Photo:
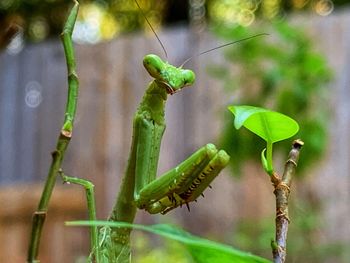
[(282, 192), (62, 142)]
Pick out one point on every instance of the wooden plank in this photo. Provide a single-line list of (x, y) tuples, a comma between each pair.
[(115, 154), (29, 96), (57, 245), (8, 114), (20, 201)]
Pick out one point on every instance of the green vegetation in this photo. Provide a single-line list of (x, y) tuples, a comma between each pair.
[(283, 72)]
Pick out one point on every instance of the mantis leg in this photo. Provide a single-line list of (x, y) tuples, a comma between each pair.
[(184, 183), (90, 197)]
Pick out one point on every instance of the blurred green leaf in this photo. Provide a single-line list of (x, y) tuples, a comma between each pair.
[(202, 250)]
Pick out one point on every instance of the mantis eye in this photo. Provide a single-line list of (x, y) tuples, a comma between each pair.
[(188, 77), (154, 65)]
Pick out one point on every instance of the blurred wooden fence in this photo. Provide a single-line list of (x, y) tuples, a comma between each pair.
[(112, 81)]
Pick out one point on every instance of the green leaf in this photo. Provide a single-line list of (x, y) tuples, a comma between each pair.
[(202, 250), (270, 125)]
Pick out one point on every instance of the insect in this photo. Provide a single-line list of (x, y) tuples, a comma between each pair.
[(140, 188), (185, 182)]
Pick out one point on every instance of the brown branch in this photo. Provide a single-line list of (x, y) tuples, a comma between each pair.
[(7, 33), (282, 191)]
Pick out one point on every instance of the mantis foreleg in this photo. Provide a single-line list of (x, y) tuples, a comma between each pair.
[(90, 198), (184, 183)]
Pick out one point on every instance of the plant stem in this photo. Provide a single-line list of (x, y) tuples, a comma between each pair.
[(282, 192), (63, 139), (269, 157)]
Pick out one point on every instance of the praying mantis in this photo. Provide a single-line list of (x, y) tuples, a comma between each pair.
[(140, 187), (181, 185)]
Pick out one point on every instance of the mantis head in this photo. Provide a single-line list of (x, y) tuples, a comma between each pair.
[(172, 78)]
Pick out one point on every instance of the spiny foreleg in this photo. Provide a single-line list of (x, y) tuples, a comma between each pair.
[(184, 183)]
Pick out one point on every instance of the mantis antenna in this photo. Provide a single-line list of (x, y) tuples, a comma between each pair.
[(221, 46), (160, 42)]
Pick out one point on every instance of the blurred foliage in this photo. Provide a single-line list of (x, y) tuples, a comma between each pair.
[(149, 250), (201, 250), (40, 19), (243, 12), (306, 242), (282, 72)]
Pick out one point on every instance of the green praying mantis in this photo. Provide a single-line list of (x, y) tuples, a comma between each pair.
[(184, 183), (140, 187)]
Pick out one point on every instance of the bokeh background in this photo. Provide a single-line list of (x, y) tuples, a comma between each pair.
[(300, 69)]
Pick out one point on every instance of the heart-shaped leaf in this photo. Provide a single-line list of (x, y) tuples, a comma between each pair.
[(270, 125)]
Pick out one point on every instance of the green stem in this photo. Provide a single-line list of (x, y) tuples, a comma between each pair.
[(62, 142), (90, 197), (269, 158), (40, 215), (73, 82)]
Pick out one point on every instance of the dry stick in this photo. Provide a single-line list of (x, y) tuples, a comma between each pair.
[(62, 142), (282, 191)]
